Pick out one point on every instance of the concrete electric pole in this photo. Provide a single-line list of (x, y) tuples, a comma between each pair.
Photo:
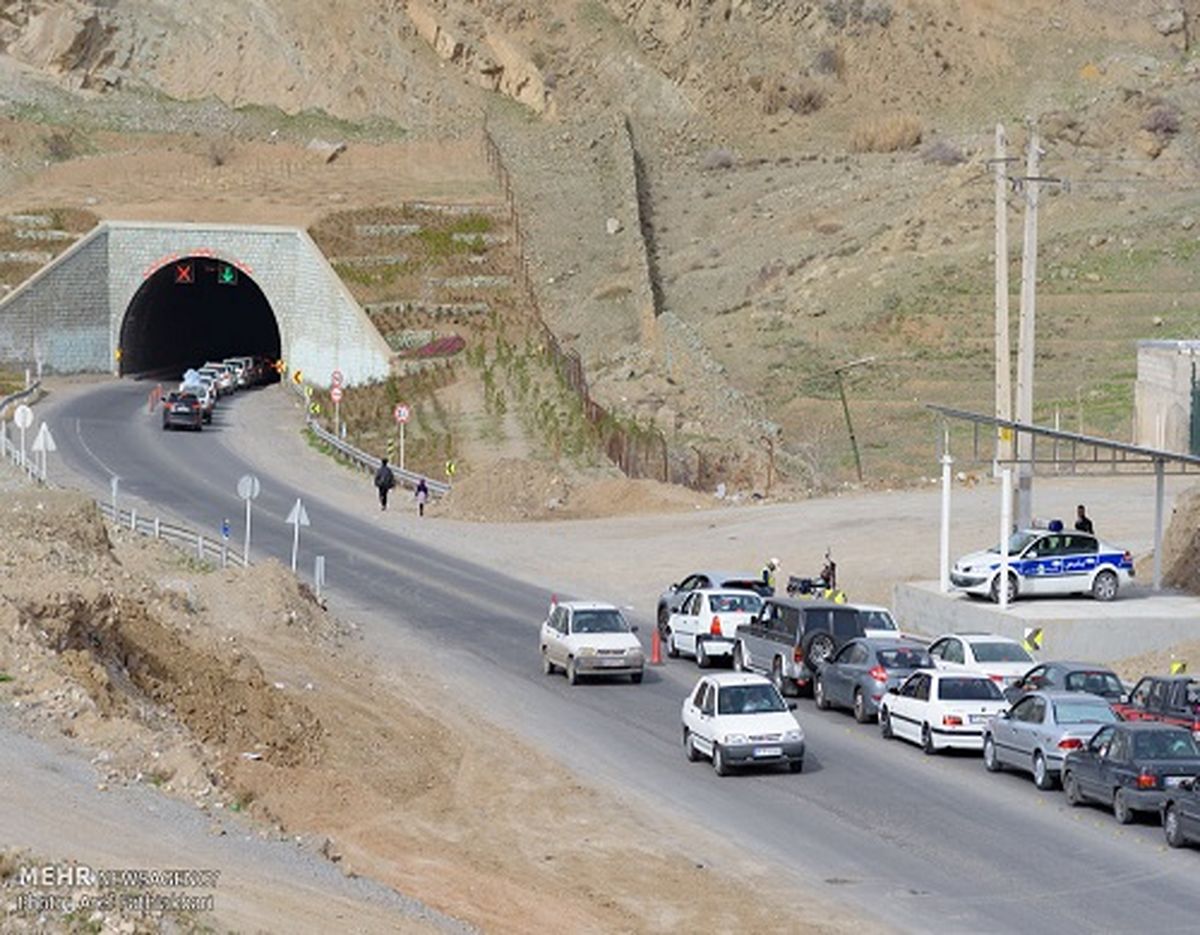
[(1004, 447), (1025, 335)]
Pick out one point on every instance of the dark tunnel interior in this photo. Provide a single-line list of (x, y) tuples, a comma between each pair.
[(193, 310)]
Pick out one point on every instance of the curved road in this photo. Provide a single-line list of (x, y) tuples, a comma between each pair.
[(910, 840)]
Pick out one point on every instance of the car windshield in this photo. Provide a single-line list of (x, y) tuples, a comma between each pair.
[(1165, 745), (749, 699), (1000, 652), (904, 658), (968, 689), (876, 620), (1082, 712), (598, 621), (756, 585), (735, 603), (1104, 684), (1017, 543)]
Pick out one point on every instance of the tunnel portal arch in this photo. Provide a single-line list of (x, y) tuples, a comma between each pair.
[(193, 309)]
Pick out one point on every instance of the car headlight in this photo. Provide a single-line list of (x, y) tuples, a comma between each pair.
[(734, 739), (793, 736), (587, 651), (633, 651)]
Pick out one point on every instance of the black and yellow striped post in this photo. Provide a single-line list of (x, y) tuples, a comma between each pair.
[(1033, 639)]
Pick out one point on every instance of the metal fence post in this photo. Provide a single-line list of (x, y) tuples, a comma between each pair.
[(133, 518), (200, 546), (157, 528)]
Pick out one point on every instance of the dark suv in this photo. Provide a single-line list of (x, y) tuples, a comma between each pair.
[(791, 639), (182, 409)]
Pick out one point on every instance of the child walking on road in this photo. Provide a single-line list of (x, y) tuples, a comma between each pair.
[(422, 496)]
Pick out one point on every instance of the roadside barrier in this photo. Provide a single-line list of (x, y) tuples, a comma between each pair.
[(196, 543), (17, 397)]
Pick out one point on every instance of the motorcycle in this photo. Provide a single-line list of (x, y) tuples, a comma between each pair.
[(822, 587)]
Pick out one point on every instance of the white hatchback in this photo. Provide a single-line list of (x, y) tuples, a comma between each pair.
[(739, 719), (589, 638), (705, 625), (940, 709), (1000, 658)]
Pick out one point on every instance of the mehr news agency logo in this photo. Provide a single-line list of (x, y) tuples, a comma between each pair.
[(65, 888)]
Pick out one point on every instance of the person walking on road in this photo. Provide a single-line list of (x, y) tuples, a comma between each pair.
[(422, 496), (1083, 522), (385, 480)]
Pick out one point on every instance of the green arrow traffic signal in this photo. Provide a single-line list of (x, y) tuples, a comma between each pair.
[(227, 275)]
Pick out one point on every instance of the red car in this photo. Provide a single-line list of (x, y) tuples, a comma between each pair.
[(1172, 699)]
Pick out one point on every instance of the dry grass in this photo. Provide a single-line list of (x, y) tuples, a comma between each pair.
[(887, 134)]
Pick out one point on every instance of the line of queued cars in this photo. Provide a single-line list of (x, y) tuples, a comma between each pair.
[(1065, 723), (191, 406)]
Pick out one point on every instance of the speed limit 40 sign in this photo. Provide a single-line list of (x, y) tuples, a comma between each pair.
[(336, 394), (401, 413)]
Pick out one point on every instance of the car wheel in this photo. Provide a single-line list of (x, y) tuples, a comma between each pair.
[(819, 694), (991, 762), (796, 766), (1104, 587), (1071, 789), (1121, 810), (702, 659), (664, 615), (547, 666), (719, 764), (572, 672), (1042, 777), (927, 740), (885, 724), (1172, 830), (819, 649), (672, 649), (636, 678), (1012, 588), (860, 708), (689, 747)]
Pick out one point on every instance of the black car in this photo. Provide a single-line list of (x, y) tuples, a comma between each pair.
[(672, 598), (1181, 814), (1067, 677), (1131, 767), (182, 409), (791, 639)]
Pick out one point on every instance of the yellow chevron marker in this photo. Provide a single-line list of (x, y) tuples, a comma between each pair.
[(1033, 639), (1178, 666)]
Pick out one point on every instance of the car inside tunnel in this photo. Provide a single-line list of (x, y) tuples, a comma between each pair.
[(193, 310)]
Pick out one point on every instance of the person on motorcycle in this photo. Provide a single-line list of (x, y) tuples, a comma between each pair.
[(768, 573)]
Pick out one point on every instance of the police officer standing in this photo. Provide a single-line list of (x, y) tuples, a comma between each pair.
[(1083, 522), (768, 573)]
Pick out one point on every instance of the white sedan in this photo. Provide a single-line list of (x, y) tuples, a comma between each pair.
[(739, 719), (705, 625), (940, 710), (1000, 658), (587, 638)]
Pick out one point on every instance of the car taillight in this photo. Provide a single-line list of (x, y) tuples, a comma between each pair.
[(1147, 781), (951, 720), (798, 654), (1070, 743), (997, 678), (1127, 559), (715, 629), (879, 674)]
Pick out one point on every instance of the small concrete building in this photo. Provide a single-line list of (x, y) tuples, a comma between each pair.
[(1165, 411)]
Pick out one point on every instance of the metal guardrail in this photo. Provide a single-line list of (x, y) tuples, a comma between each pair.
[(363, 460), (17, 397), (197, 543)]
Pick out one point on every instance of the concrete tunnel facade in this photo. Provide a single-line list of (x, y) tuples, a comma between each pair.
[(118, 301)]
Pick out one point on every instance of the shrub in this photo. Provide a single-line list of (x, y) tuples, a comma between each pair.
[(806, 98), (886, 135), (829, 61), (943, 153), (60, 147), (220, 151), (1162, 121)]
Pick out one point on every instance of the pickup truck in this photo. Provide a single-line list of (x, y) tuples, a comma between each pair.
[(1173, 699)]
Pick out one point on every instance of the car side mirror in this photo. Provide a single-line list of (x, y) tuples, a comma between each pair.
[(791, 705), (1005, 714), (673, 588), (893, 690), (634, 628), (1124, 699)]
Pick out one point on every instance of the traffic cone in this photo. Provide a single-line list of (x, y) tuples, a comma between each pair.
[(655, 648)]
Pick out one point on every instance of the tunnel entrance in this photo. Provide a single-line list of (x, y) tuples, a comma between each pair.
[(195, 309)]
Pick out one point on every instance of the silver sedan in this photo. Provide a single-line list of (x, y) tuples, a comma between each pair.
[(1037, 732)]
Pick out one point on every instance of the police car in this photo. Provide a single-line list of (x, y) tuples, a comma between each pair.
[(1047, 561)]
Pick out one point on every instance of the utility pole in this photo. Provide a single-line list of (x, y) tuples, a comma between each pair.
[(837, 372), (1025, 334), (1004, 447)]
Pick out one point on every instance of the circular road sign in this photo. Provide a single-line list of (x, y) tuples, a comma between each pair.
[(336, 394), (23, 417), (248, 487), (336, 378), (401, 413)]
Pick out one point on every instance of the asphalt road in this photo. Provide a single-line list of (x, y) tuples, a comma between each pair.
[(913, 841)]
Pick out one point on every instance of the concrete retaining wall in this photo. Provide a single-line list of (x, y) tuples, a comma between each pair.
[(1163, 394), (1076, 628)]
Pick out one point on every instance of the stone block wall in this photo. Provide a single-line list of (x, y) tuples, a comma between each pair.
[(1163, 393)]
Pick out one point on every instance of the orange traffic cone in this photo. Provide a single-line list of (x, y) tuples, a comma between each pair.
[(655, 648)]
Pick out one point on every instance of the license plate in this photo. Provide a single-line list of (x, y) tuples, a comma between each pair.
[(1172, 782), (978, 718), (768, 751), (611, 663)]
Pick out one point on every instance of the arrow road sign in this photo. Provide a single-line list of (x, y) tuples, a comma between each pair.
[(297, 518), (44, 441)]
